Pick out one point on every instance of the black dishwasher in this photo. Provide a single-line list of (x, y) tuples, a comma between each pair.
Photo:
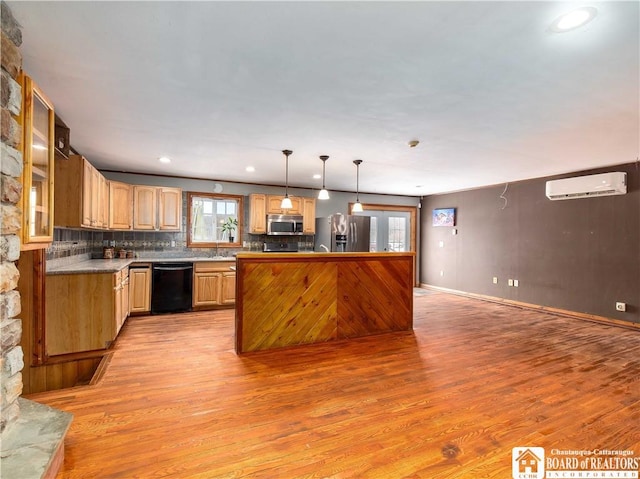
[(171, 287)]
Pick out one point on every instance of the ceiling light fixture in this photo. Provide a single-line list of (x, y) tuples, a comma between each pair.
[(164, 159), (250, 169), (574, 19), (324, 194), (286, 201), (357, 206)]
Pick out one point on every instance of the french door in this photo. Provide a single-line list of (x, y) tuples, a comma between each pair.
[(390, 230)]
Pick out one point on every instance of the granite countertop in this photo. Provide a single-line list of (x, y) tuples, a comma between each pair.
[(115, 265)]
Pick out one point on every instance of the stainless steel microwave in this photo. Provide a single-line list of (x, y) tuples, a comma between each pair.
[(284, 225)]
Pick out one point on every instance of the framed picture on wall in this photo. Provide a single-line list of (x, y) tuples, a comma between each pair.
[(443, 217)]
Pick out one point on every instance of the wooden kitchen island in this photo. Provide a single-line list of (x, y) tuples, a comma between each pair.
[(287, 299)]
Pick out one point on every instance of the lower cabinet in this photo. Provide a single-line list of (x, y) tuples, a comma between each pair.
[(140, 288), (121, 298), (84, 311), (214, 284)]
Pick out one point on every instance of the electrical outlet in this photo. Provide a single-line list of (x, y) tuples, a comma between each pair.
[(454, 231), (441, 244), (173, 243), (516, 283), (621, 306), (495, 280), (510, 282), (112, 243)]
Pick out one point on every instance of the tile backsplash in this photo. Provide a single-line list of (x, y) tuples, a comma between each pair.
[(76, 245)]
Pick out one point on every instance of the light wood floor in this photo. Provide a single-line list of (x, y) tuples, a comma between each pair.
[(449, 400)]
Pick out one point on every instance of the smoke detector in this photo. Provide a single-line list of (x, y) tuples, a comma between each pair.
[(413, 143)]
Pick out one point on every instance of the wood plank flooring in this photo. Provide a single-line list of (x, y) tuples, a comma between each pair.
[(448, 400)]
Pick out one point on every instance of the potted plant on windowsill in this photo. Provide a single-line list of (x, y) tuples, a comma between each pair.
[(229, 226)]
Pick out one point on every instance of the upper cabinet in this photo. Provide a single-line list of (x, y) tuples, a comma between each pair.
[(261, 205), (144, 208), (169, 209), (273, 205), (120, 206), (258, 214), (157, 208), (82, 195), (309, 216), (37, 119)]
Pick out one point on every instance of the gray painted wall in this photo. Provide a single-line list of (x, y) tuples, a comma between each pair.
[(581, 255)]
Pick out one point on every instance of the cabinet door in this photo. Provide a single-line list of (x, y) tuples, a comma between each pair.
[(273, 205), (120, 206), (169, 209), (144, 207), (117, 303), (207, 289), (80, 312), (228, 290), (125, 295), (103, 202), (309, 216), (140, 290), (87, 195), (37, 120), (95, 198), (258, 214)]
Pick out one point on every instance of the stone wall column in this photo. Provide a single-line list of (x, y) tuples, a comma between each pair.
[(11, 355)]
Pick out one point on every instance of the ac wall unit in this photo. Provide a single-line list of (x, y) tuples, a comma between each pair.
[(605, 184)]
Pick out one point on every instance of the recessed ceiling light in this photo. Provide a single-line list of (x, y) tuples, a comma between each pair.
[(164, 159), (250, 169), (574, 19), (317, 176)]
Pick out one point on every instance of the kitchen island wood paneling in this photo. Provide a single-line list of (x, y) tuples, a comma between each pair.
[(288, 299)]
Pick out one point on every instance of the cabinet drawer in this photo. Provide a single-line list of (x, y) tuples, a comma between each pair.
[(213, 266)]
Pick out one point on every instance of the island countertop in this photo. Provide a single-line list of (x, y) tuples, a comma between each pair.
[(287, 299), (92, 266)]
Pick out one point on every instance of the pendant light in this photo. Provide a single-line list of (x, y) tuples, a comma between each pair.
[(286, 201), (357, 206), (324, 194)]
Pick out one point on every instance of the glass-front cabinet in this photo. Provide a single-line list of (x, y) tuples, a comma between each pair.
[(38, 153)]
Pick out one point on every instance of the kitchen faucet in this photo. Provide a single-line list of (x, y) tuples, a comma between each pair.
[(324, 248)]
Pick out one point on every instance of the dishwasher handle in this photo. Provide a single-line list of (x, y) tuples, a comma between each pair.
[(172, 268)]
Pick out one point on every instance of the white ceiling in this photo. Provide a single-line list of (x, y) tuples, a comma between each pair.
[(491, 93)]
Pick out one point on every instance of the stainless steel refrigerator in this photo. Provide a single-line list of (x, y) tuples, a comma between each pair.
[(340, 233)]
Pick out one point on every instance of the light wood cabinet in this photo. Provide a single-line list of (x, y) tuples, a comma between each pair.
[(83, 311), (140, 288), (273, 205), (82, 194), (121, 299), (169, 209), (37, 120), (257, 214), (103, 201), (120, 206), (157, 208), (261, 205), (214, 284), (309, 216), (144, 207)]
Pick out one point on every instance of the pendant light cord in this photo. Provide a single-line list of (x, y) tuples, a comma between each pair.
[(286, 180), (357, 163)]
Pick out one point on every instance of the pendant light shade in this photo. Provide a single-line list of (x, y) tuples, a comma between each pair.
[(357, 206), (324, 194), (286, 201)]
